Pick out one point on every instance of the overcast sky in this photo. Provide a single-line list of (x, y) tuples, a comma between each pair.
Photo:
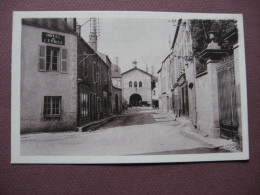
[(143, 40)]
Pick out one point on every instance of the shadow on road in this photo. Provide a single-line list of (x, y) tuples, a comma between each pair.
[(200, 150), (134, 116)]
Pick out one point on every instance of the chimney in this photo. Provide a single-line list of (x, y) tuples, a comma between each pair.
[(78, 30), (93, 33)]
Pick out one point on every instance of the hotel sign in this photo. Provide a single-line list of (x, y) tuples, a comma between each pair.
[(53, 38)]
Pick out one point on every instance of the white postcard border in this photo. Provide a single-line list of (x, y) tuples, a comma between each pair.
[(16, 158)]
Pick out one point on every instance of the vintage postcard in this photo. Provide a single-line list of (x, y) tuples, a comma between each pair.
[(128, 87)]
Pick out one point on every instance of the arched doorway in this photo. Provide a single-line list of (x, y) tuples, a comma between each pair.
[(135, 100), (116, 104)]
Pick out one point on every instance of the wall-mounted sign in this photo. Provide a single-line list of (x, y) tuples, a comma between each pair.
[(53, 38)]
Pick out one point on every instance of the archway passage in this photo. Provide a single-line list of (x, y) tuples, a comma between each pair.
[(135, 100)]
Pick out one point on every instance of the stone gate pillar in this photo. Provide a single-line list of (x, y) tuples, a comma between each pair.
[(212, 57)]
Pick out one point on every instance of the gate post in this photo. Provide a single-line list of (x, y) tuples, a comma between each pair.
[(207, 91)]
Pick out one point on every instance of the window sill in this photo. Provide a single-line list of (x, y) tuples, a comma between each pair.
[(52, 117)]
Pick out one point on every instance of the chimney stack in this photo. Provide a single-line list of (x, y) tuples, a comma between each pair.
[(93, 33)]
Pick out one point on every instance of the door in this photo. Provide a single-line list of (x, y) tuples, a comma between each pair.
[(228, 120)]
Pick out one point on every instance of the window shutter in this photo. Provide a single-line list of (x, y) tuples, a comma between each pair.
[(42, 58), (64, 61)]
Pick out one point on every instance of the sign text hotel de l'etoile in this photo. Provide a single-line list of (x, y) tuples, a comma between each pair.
[(53, 38)]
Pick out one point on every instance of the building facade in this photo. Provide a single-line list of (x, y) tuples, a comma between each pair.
[(65, 83), (137, 87), (203, 75), (94, 84), (48, 75), (116, 89)]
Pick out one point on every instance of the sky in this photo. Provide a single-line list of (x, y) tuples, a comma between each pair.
[(148, 41)]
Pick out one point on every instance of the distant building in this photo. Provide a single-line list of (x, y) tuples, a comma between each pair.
[(137, 87), (116, 76), (48, 75), (155, 93), (116, 89)]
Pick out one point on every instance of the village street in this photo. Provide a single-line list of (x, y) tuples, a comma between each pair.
[(137, 131)]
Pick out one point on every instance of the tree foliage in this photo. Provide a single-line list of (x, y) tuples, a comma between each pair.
[(200, 33)]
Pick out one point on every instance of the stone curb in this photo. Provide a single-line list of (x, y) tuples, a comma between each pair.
[(96, 124)]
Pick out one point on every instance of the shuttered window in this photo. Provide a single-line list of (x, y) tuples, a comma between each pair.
[(53, 59), (42, 58), (64, 59)]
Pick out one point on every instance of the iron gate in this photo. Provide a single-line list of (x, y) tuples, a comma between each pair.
[(228, 119)]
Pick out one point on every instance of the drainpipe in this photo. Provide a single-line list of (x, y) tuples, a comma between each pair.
[(195, 97)]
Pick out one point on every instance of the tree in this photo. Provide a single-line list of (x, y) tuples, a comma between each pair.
[(200, 33)]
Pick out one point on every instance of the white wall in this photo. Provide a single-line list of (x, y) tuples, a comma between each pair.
[(35, 85), (145, 91)]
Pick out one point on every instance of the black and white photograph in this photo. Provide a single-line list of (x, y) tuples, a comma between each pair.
[(128, 87)]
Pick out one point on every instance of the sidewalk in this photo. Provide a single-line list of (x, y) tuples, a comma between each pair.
[(188, 130)]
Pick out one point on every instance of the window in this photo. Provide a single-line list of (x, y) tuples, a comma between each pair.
[(135, 84), (130, 84), (52, 59), (52, 106), (98, 105), (140, 84), (98, 75), (52, 54), (94, 71), (85, 65), (84, 104)]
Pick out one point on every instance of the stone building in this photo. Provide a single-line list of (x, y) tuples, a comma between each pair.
[(116, 89), (94, 84), (155, 93), (203, 75), (165, 81), (182, 71), (48, 75), (64, 82), (137, 87)]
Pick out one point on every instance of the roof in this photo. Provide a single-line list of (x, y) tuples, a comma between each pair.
[(102, 56), (154, 78), (173, 43), (135, 68), (56, 24), (116, 88), (176, 33)]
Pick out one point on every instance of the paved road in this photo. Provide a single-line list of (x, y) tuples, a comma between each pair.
[(138, 131), (133, 116)]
